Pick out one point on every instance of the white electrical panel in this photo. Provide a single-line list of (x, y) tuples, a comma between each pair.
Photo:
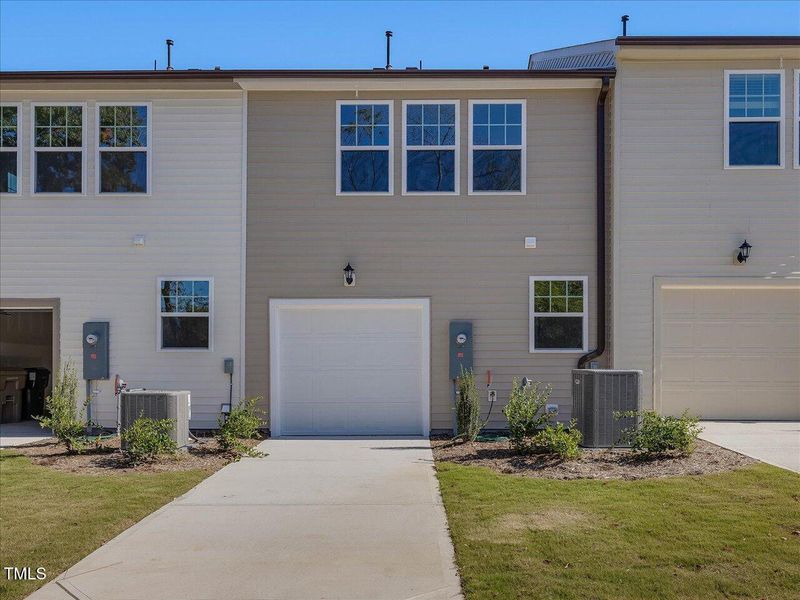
[(530, 242)]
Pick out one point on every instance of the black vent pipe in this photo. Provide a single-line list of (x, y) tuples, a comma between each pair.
[(169, 54), (601, 226), (388, 50)]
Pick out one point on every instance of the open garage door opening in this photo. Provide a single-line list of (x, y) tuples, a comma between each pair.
[(349, 367), (27, 363)]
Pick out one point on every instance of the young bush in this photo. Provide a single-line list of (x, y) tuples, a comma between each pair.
[(242, 423), (63, 417), (557, 439), (658, 434), (146, 439), (526, 414), (468, 407)]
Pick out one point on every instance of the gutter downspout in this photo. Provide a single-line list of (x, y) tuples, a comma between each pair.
[(601, 227)]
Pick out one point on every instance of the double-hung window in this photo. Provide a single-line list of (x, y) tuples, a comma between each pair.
[(185, 308), (9, 142), (497, 147), (754, 119), (123, 150), (364, 147), (559, 318), (430, 147), (58, 165)]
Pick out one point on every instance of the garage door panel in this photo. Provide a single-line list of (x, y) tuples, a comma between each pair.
[(369, 353), (353, 367), (679, 335), (742, 360), (715, 335), (677, 368)]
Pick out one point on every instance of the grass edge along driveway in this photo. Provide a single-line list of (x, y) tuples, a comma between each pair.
[(727, 535), (53, 519)]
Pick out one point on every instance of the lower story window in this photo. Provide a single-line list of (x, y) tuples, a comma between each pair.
[(185, 314), (558, 314)]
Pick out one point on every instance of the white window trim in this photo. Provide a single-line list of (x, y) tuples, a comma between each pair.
[(17, 150), (532, 314), (523, 148), (82, 149), (148, 149), (159, 314), (455, 148), (389, 148), (796, 120), (729, 119)]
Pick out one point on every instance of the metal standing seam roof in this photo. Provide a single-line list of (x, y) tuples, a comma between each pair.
[(591, 60)]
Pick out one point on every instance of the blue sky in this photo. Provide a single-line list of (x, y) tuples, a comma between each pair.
[(129, 35)]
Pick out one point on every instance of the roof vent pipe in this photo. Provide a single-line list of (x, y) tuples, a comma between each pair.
[(169, 55), (625, 19), (388, 50)]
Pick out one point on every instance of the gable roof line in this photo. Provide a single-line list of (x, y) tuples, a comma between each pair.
[(709, 40), (231, 74)]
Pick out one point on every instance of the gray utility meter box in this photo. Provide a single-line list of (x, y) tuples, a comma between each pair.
[(460, 347), (95, 350)]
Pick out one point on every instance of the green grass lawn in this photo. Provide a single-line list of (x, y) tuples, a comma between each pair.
[(52, 519), (718, 536)]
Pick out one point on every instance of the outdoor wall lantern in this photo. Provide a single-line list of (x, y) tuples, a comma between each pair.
[(349, 276), (744, 253)]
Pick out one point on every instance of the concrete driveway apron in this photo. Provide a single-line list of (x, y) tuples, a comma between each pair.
[(339, 518)]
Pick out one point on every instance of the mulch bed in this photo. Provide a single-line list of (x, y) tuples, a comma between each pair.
[(594, 463), (107, 459)]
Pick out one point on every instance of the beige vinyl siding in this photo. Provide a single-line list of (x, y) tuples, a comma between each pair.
[(78, 248), (677, 212), (466, 253)]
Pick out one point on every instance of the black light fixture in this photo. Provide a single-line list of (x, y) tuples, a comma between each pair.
[(744, 252), (349, 276)]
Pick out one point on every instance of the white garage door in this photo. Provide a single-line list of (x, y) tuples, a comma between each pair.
[(349, 367), (729, 352)]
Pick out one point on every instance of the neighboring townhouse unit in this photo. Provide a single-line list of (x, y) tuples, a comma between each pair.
[(122, 202), (706, 157), (431, 186)]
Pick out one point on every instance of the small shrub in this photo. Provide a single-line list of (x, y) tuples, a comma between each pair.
[(242, 423), (63, 416), (657, 434), (468, 407), (146, 439), (526, 414), (557, 439)]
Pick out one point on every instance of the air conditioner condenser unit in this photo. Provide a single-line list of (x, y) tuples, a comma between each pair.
[(158, 404), (597, 395)]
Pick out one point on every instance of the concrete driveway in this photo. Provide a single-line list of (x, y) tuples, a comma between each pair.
[(24, 432), (773, 442), (318, 518)]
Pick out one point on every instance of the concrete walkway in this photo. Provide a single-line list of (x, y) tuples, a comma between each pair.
[(24, 432), (773, 442), (318, 518)]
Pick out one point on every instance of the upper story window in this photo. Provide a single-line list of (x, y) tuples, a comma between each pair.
[(185, 307), (364, 148), (754, 119), (9, 141), (430, 147), (497, 147), (58, 164), (123, 148), (558, 314)]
